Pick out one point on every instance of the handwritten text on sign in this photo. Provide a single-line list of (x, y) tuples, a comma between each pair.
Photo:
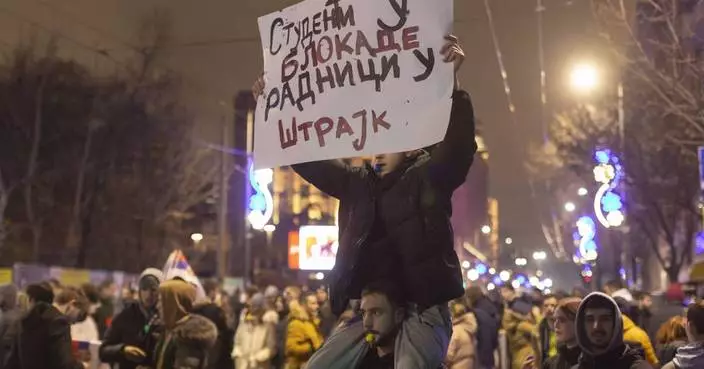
[(351, 78)]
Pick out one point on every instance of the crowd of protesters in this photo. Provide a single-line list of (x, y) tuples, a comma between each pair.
[(164, 324)]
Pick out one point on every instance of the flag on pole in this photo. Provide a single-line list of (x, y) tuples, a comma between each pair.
[(177, 267)]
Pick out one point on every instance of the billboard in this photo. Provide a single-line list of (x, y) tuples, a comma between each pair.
[(313, 248)]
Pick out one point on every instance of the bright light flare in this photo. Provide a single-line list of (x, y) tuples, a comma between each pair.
[(486, 229), (570, 207), (584, 78), (197, 237)]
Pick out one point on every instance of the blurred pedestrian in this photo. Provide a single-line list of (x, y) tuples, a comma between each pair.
[(691, 356), (104, 313), (255, 340), (87, 329), (44, 337), (188, 338), (303, 336), (488, 325), (461, 354), (547, 343), (9, 319), (131, 339), (670, 337), (567, 349)]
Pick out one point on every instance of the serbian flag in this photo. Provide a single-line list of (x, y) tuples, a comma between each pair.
[(177, 267), (81, 350)]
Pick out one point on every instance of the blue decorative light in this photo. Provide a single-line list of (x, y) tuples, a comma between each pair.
[(261, 202), (611, 202), (481, 269), (603, 156), (497, 281), (586, 228), (699, 244)]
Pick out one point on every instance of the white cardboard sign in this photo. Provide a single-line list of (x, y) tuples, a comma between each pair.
[(349, 78)]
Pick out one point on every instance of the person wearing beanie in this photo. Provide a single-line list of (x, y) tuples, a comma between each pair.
[(255, 340), (599, 329), (132, 337), (187, 338)]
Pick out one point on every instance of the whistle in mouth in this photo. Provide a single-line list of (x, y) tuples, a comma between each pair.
[(370, 338)]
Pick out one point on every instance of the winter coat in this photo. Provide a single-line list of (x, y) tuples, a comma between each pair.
[(461, 354), (187, 345), (566, 358), (667, 352), (546, 344), (520, 336), (43, 342), (618, 355), (412, 211), (9, 328), (255, 344), (303, 338), (219, 357), (131, 327), (688, 357), (488, 324), (633, 333)]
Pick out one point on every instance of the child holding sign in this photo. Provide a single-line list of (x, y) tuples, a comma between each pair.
[(395, 227)]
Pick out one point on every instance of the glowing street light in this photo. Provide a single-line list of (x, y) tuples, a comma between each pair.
[(466, 264), (490, 286), (570, 207), (584, 78), (540, 255), (486, 229), (582, 192), (508, 240), (197, 237), (492, 271), (521, 261), (505, 275), (547, 283), (473, 275)]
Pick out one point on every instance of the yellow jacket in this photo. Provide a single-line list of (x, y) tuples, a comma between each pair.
[(633, 333), (302, 339)]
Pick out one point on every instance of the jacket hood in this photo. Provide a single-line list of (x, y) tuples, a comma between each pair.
[(616, 342), (152, 272), (467, 321), (197, 332), (177, 298), (624, 294), (690, 356), (8, 297)]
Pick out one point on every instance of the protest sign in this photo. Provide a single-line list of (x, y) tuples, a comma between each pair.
[(352, 78)]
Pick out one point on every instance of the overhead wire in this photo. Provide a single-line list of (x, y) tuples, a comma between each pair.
[(512, 110)]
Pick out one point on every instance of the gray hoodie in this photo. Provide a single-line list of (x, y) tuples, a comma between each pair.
[(688, 357), (618, 355)]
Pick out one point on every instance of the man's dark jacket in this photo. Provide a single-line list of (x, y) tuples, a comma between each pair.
[(488, 325), (409, 220), (44, 341), (131, 327), (219, 356)]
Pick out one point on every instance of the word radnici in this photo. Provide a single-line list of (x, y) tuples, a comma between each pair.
[(343, 59)]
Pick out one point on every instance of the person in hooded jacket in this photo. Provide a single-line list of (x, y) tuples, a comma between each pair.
[(599, 327), (461, 354), (488, 323), (219, 357), (255, 340), (132, 337), (691, 356), (44, 337), (187, 338), (521, 332)]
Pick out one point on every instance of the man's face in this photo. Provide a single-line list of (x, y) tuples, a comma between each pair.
[(73, 313), (387, 163), (599, 326), (507, 294), (549, 306), (646, 302), (564, 327), (148, 298), (378, 315), (312, 305), (322, 295)]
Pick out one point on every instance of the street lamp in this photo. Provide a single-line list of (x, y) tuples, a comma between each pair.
[(582, 192), (540, 255), (521, 261), (197, 237), (584, 77), (570, 207), (486, 229), (508, 240)]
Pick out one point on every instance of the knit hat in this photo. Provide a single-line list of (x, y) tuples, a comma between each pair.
[(271, 292), (150, 279), (256, 302)]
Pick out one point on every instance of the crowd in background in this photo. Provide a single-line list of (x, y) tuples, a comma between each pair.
[(164, 324)]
